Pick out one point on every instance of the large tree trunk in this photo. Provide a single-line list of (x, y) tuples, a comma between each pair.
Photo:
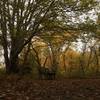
[(13, 68), (11, 65), (7, 62), (11, 60), (5, 48)]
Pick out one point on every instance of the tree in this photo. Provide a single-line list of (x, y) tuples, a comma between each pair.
[(21, 20)]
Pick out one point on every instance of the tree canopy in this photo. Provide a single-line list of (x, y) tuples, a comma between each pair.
[(21, 20)]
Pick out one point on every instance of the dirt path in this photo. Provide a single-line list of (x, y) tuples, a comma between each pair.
[(68, 89)]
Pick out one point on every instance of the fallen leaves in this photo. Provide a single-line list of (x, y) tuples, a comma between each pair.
[(19, 88)]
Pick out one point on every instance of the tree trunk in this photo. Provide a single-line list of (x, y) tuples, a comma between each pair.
[(5, 48), (7, 63), (96, 61), (13, 68), (64, 61), (11, 64)]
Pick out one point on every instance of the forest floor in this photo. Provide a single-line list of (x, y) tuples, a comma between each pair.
[(18, 88)]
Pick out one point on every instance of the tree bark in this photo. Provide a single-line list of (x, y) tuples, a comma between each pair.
[(11, 63), (13, 68), (7, 63)]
